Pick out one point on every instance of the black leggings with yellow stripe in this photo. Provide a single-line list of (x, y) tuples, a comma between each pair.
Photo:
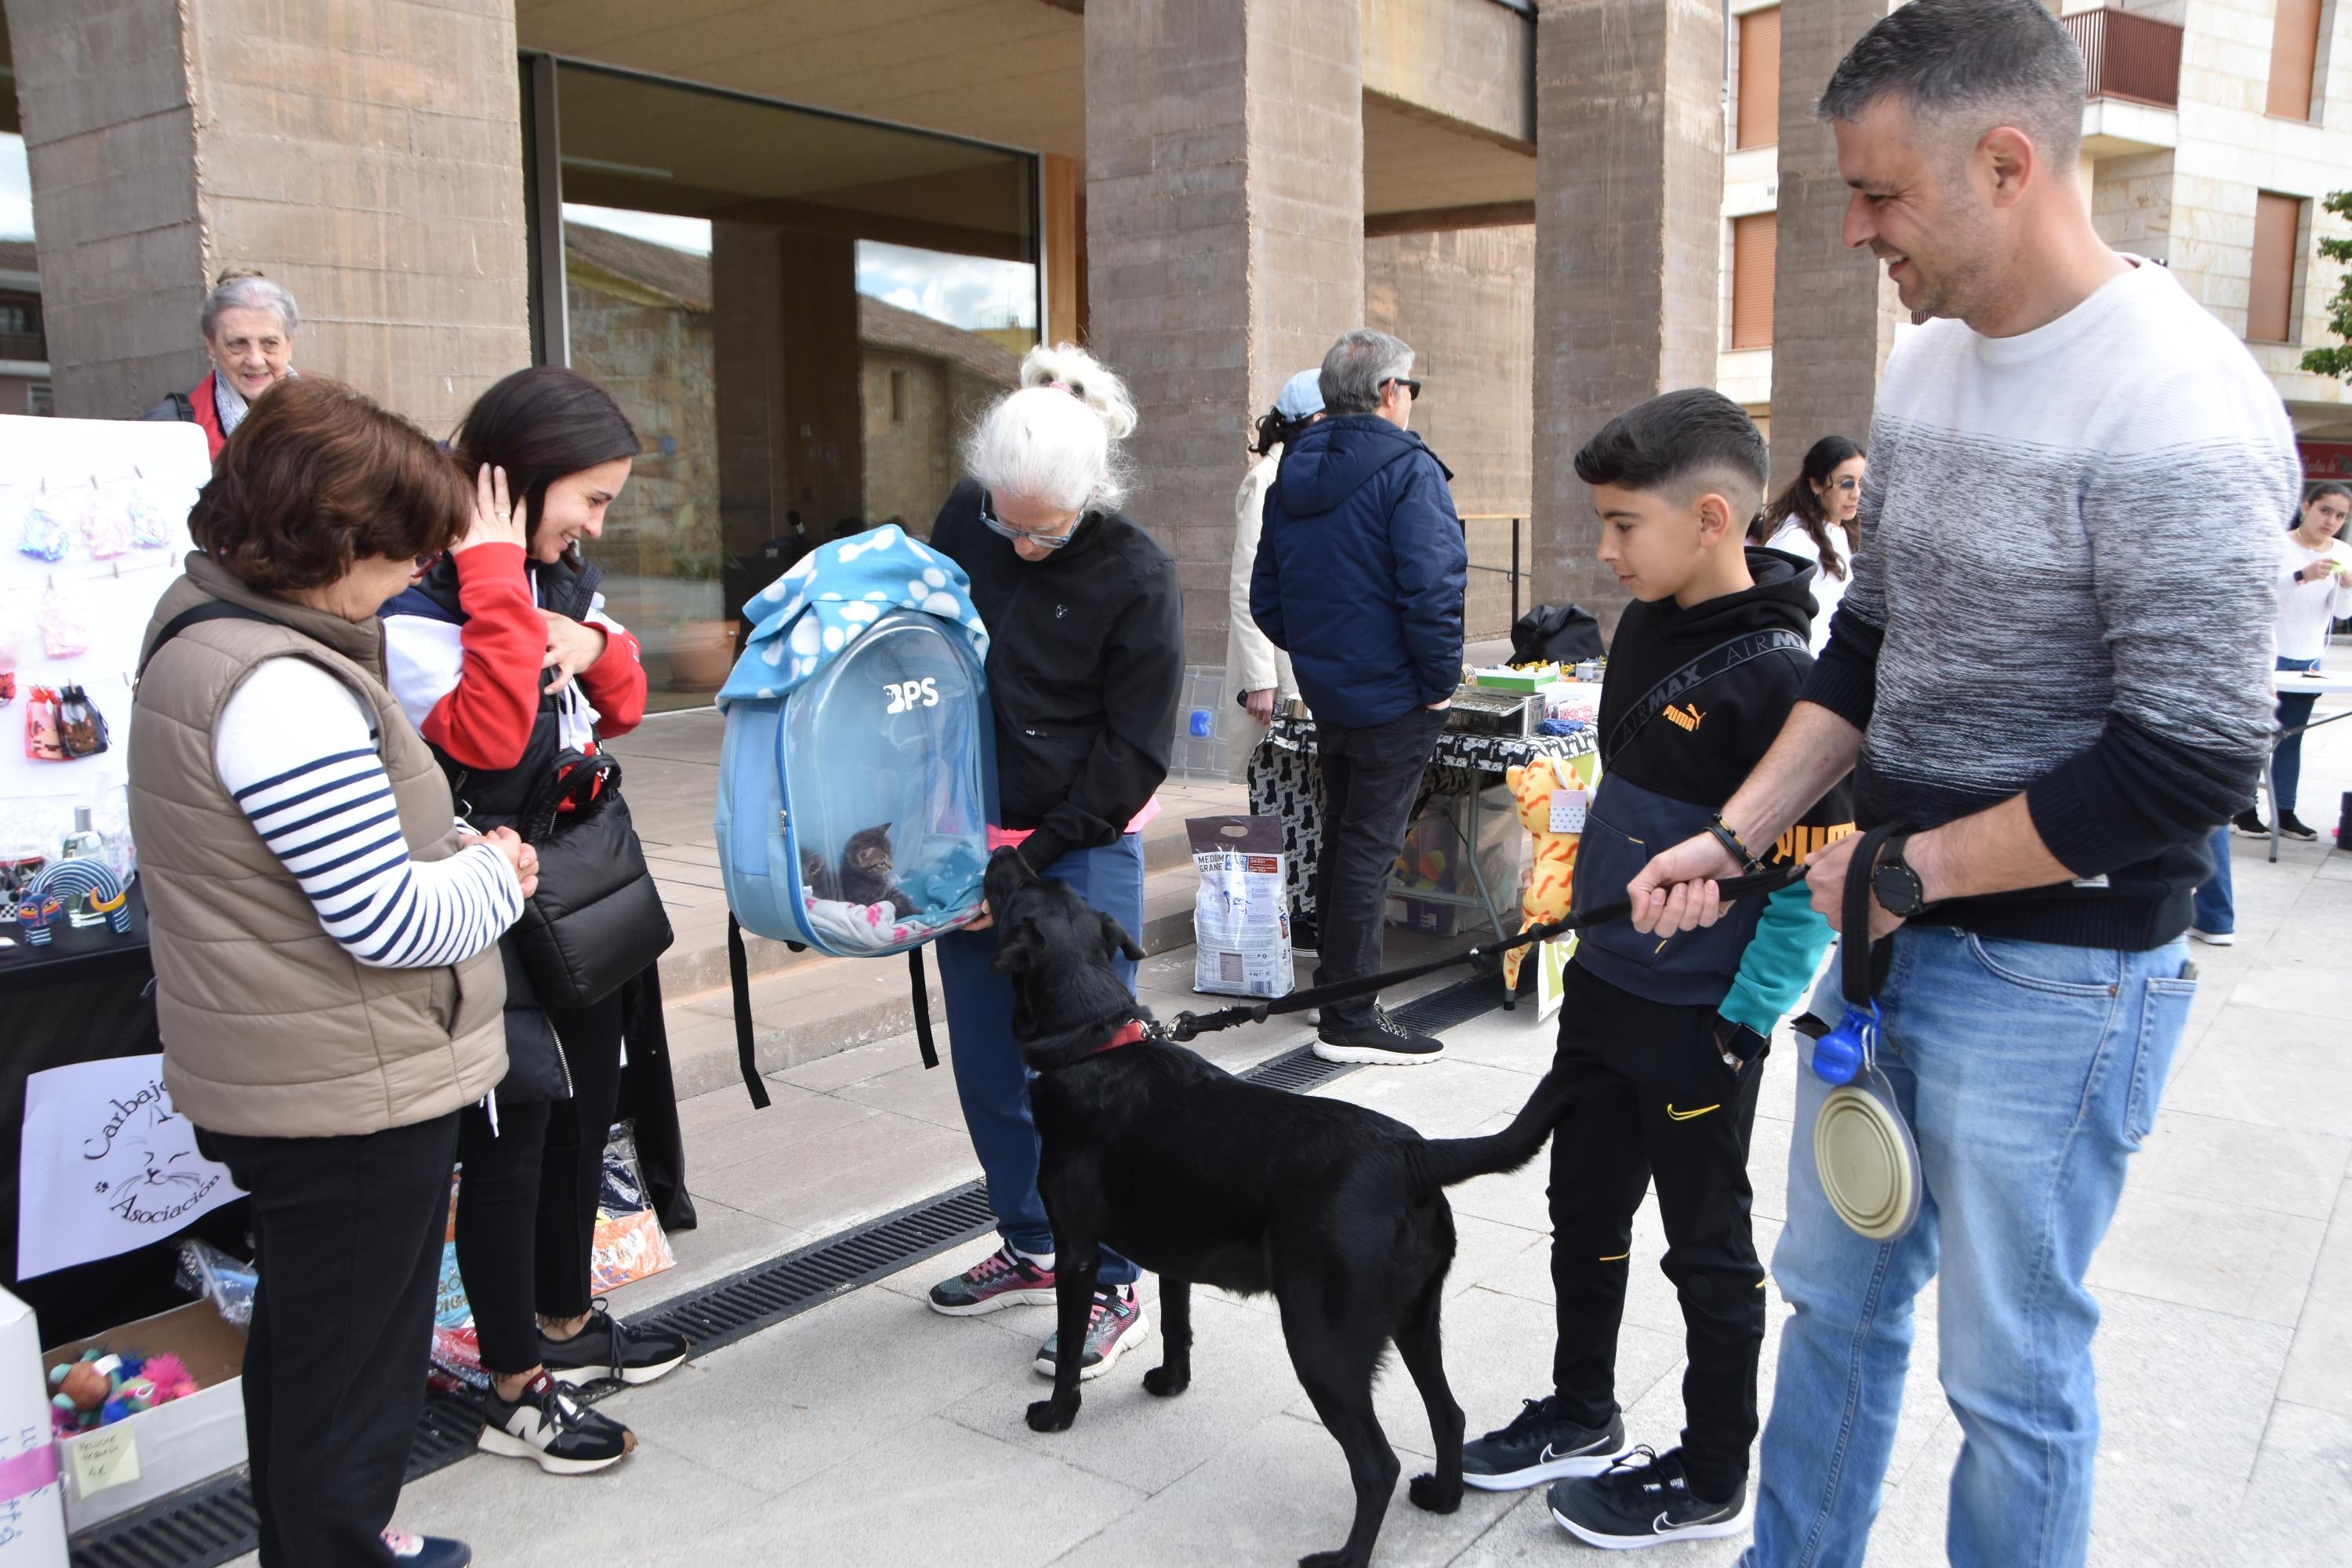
[(1667, 1109)]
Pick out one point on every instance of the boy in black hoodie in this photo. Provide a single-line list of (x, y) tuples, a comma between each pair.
[(1705, 666)]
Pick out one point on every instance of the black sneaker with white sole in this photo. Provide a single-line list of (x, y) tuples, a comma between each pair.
[(1383, 1042), (1306, 937), (546, 1426), (607, 1349), (1540, 1445), (2250, 822), (1642, 1499), (2295, 826)]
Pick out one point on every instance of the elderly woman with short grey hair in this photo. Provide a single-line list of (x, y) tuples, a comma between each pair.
[(1086, 660), (248, 325)]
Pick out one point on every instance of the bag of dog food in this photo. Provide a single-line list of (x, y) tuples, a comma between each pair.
[(1241, 919)]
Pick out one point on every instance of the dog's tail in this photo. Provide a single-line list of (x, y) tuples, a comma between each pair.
[(1443, 1162)]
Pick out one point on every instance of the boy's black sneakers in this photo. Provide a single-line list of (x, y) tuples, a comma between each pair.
[(544, 1424), (1383, 1042), (2250, 822), (1539, 1446), (2293, 827), (1642, 1501), (606, 1349)]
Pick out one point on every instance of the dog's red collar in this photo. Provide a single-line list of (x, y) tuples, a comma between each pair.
[(1130, 1035)]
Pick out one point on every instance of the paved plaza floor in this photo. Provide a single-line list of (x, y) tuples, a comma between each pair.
[(870, 1430)]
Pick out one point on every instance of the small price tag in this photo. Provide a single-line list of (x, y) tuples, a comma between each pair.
[(1568, 811), (105, 1457)]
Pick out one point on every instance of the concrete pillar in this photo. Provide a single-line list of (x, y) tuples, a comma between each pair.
[(1629, 198), (366, 154), (1224, 244), (1833, 311)]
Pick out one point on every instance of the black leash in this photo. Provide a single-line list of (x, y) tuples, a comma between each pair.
[(1486, 958)]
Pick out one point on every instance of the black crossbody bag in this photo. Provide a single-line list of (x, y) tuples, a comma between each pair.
[(597, 918)]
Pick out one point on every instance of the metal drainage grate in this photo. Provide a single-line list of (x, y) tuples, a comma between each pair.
[(214, 1523)]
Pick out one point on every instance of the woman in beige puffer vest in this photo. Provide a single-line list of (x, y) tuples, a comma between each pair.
[(324, 938)]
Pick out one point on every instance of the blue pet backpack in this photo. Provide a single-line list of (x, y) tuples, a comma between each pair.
[(857, 778)]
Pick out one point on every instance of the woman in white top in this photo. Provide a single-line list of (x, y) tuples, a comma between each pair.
[(1259, 670), (2314, 567), (1814, 519)]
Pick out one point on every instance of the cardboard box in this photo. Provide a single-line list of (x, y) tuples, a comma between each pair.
[(32, 1496), (172, 1446)]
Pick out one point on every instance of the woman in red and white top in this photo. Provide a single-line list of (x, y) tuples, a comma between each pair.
[(503, 657)]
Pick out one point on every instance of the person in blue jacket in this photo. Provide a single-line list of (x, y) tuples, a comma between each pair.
[(1360, 576)]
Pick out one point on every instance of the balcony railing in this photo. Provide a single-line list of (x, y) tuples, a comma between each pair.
[(2128, 56), (23, 346)]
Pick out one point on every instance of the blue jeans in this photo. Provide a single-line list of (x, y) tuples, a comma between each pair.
[(2216, 911), (990, 1078), (2286, 763), (2030, 1073)]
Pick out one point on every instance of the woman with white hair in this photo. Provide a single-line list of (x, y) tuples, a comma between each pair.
[(248, 324), (1085, 662)]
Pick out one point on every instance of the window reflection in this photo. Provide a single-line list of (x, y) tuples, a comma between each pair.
[(799, 313)]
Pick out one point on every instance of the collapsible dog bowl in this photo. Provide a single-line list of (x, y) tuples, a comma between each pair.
[(1868, 1163)]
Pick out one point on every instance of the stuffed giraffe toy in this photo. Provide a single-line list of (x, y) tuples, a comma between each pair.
[(1551, 887)]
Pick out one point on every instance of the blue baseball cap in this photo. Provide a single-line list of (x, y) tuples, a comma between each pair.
[(1302, 395)]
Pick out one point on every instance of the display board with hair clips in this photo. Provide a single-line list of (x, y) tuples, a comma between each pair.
[(93, 528)]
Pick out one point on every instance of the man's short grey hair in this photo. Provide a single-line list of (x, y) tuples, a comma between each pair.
[(1967, 66), (249, 290), (1357, 366)]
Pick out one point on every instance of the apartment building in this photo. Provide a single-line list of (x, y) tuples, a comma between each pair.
[(2211, 131)]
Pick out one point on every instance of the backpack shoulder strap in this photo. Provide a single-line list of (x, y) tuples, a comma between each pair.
[(1718, 661), (210, 610)]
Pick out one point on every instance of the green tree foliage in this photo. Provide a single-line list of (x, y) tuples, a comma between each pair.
[(2336, 361)]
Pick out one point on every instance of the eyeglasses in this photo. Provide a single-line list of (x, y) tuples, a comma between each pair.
[(1409, 385), (1849, 483), (1043, 541), (424, 564)]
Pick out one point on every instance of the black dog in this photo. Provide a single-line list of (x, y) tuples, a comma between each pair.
[(1197, 1175)]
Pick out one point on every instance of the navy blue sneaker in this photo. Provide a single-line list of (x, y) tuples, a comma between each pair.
[(427, 1551), (1540, 1445), (1643, 1499)]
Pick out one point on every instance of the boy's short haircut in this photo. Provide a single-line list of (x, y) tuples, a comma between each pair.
[(1682, 443)]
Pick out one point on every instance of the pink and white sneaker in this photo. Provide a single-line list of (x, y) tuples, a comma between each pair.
[(1115, 1324), (1002, 1278)]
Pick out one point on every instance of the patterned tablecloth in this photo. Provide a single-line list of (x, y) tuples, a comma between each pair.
[(1285, 780)]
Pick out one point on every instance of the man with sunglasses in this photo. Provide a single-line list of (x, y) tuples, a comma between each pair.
[(1360, 576)]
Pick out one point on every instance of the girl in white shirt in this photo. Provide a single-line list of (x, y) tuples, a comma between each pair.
[(2314, 568), (1814, 519)]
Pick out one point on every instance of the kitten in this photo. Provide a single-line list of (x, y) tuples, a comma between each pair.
[(818, 877), (866, 870)]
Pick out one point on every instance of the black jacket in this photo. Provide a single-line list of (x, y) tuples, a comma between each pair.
[(1360, 572), (1086, 666), (1664, 781)]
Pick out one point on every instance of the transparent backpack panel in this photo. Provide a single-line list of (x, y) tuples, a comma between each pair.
[(889, 772)]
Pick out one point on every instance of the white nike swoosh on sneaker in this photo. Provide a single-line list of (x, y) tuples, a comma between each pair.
[(1550, 1453)]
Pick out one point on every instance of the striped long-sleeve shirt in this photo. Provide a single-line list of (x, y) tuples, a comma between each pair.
[(297, 753)]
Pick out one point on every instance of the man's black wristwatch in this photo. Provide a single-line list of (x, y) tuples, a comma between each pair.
[(1737, 1044), (1895, 884)]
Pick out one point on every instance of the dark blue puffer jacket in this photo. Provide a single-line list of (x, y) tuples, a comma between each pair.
[(1360, 569)]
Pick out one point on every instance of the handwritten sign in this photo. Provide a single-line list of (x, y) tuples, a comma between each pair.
[(105, 1457), (107, 1164)]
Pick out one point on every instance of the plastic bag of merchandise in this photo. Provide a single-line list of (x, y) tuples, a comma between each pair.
[(208, 1272), (629, 1242), (1241, 919)]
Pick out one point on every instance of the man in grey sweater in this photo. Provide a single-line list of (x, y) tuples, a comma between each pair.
[(2052, 668)]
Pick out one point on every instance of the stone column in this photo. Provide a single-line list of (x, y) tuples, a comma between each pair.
[(1629, 202), (1833, 311), (367, 154), (1225, 251)]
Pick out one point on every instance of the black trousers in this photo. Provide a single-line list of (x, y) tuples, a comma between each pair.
[(1371, 779), (348, 1235), (498, 1226), (572, 1173), (1664, 1108)]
